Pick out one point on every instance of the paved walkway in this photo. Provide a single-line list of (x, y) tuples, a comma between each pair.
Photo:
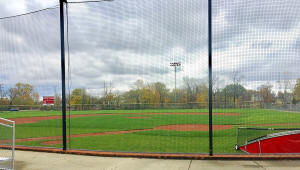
[(26, 160)]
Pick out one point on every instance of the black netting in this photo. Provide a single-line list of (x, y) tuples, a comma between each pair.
[(137, 73), (255, 66), (30, 71), (126, 59)]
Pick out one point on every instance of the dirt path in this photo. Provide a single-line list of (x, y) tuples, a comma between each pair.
[(180, 127), (37, 119), (81, 135), (185, 127), (192, 127)]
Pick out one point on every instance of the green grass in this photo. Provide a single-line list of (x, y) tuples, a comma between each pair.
[(151, 140), (36, 113)]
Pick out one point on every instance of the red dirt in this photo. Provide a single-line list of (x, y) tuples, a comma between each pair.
[(184, 127), (5, 122), (215, 114), (81, 135), (37, 119), (192, 127), (139, 117)]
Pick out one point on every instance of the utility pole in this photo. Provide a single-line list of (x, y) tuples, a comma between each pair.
[(175, 65)]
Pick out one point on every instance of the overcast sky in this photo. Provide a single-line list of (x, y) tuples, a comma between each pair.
[(126, 40)]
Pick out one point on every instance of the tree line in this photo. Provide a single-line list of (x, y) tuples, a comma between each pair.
[(192, 94)]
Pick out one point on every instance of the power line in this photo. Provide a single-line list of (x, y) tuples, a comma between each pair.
[(32, 12), (52, 7), (81, 2)]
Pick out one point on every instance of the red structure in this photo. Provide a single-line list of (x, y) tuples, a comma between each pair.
[(283, 142), (48, 100)]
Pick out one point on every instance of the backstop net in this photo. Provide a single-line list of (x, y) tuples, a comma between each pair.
[(7, 143), (255, 69), (30, 71), (137, 73)]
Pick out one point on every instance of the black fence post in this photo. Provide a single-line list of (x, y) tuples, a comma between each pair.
[(63, 78), (210, 77)]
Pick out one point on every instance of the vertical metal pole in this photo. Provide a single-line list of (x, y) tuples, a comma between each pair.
[(13, 144), (175, 88), (63, 79), (210, 77)]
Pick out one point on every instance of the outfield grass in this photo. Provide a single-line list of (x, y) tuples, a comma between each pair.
[(35, 113), (151, 140)]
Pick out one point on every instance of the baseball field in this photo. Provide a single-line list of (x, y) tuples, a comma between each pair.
[(159, 130)]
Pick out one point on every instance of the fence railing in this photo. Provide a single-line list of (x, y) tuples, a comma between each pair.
[(134, 106), (7, 143)]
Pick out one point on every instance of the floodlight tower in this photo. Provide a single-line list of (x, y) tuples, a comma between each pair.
[(175, 65)]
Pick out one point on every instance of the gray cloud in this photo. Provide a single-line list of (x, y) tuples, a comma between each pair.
[(242, 16), (151, 27), (125, 40)]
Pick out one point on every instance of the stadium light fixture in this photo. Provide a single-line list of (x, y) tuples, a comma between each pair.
[(175, 65)]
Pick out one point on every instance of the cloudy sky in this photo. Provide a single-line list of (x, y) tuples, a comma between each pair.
[(122, 41)]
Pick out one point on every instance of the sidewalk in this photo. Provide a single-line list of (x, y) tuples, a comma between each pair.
[(26, 160)]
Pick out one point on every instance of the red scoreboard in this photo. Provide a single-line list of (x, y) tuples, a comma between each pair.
[(48, 100)]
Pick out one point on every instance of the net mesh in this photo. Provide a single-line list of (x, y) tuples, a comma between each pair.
[(6, 144), (136, 53), (137, 73), (255, 65), (30, 70)]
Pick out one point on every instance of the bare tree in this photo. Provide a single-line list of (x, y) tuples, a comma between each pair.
[(236, 80), (2, 92), (191, 86), (285, 88), (266, 94), (215, 86), (236, 77)]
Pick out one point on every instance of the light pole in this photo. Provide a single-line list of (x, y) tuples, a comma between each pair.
[(175, 65)]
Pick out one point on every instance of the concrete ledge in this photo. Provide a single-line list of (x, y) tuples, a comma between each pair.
[(164, 155)]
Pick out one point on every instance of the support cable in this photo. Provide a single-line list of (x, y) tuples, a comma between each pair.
[(69, 73), (32, 12), (82, 2)]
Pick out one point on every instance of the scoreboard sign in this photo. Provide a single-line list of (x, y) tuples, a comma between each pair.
[(48, 100)]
